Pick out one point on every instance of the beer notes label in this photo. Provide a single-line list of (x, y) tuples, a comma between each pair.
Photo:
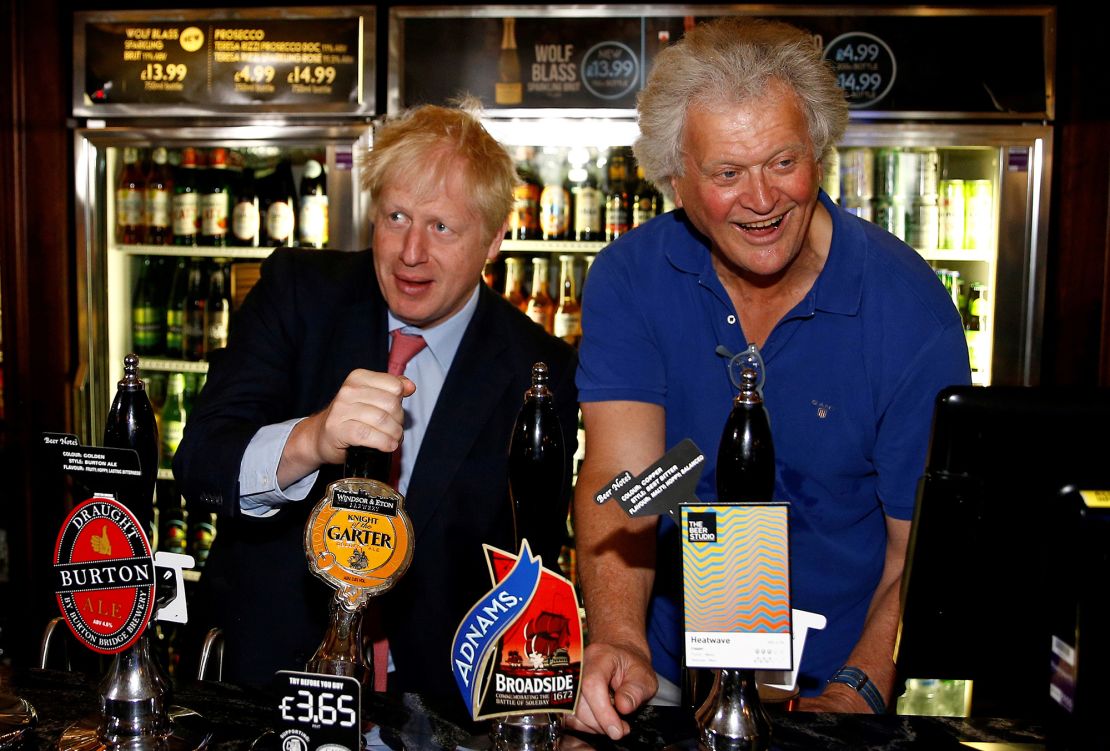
[(736, 585), (1095, 498), (519, 649), (318, 711), (660, 488), (104, 575), (358, 538)]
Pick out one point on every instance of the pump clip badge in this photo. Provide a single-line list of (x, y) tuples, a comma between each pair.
[(104, 575), (359, 539)]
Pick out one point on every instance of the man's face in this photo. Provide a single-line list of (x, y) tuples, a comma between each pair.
[(751, 179), (429, 250)]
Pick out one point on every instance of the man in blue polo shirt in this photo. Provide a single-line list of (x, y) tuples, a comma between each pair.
[(857, 335)]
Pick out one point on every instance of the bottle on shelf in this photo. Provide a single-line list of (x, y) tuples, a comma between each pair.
[(173, 417), (202, 532), (541, 308), (281, 207), (976, 329), (509, 89), (130, 189), (217, 308), (215, 200), (246, 217), (148, 314), (312, 229), (585, 197), (555, 209), (173, 532), (647, 201), (131, 425), (175, 308), (524, 221), (193, 323), (186, 200), (158, 206), (617, 199), (194, 382), (514, 283), (568, 316)]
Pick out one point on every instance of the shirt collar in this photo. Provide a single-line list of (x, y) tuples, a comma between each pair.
[(838, 287), (444, 338)]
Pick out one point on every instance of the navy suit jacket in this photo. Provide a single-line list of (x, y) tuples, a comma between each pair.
[(312, 318)]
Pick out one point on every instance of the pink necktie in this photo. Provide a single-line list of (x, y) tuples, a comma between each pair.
[(403, 349)]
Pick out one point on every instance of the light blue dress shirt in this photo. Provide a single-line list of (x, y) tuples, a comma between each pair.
[(259, 494)]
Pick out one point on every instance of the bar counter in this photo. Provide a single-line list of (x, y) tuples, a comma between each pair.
[(239, 718)]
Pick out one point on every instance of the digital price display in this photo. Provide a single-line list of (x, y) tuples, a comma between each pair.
[(864, 66), (318, 711)]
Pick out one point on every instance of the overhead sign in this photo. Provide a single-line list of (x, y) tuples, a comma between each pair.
[(143, 62)]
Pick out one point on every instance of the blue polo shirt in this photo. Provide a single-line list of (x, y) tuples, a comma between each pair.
[(852, 373)]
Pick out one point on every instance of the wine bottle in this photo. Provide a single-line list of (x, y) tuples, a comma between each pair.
[(537, 461), (173, 532), (617, 199), (193, 323), (173, 417), (509, 89), (217, 308), (246, 218), (215, 200), (148, 313), (281, 207), (186, 201), (312, 229), (175, 308), (131, 425)]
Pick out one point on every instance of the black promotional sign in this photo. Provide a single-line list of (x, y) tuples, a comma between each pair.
[(318, 712), (905, 62), (314, 63)]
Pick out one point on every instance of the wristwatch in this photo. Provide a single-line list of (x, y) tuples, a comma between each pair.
[(857, 680)]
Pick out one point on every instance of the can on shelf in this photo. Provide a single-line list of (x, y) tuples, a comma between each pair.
[(861, 207), (888, 172), (923, 223), (978, 214), (857, 166), (890, 214), (926, 172), (951, 200), (830, 173)]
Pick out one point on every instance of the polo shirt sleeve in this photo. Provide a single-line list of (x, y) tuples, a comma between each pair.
[(619, 357), (905, 426)]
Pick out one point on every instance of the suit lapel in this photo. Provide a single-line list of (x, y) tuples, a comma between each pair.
[(477, 382)]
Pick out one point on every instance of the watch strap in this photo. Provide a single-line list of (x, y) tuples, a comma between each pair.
[(856, 679)]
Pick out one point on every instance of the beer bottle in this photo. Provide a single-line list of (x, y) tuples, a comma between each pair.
[(617, 198), (524, 221), (217, 308), (975, 329), (312, 229), (215, 200), (568, 316), (148, 314), (173, 417), (131, 425), (536, 461), (186, 202), (281, 207), (746, 454), (554, 203), (646, 201), (246, 218), (192, 321), (514, 283), (173, 533), (175, 309), (586, 198), (508, 89), (130, 189), (541, 308), (159, 199)]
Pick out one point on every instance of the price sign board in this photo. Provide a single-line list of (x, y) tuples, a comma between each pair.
[(316, 711), (142, 63), (865, 67)]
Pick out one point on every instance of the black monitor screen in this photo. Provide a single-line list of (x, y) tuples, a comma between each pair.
[(976, 589)]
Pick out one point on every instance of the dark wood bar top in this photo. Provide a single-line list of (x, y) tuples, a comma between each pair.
[(239, 719)]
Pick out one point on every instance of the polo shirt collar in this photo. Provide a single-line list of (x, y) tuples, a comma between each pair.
[(838, 288)]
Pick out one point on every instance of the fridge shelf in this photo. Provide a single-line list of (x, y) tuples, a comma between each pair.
[(552, 246), (194, 251), (174, 366), (982, 256)]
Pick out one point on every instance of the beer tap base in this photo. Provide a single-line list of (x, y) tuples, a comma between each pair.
[(188, 731), (17, 718)]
